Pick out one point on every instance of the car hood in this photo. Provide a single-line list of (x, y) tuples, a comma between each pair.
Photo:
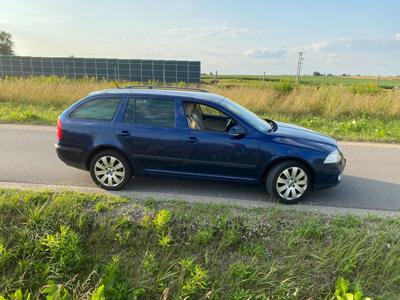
[(297, 132)]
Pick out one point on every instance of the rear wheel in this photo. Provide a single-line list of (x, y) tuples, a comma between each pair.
[(110, 170), (289, 182)]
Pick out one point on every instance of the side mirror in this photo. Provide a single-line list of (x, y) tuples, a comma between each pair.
[(237, 132)]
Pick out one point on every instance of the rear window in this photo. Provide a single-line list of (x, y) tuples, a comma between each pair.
[(156, 112), (97, 109)]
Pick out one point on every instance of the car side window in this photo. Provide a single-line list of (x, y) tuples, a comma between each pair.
[(211, 111), (156, 112), (102, 109), (204, 117)]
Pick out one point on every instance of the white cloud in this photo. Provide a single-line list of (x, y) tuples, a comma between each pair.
[(200, 32), (376, 44), (265, 53), (316, 46)]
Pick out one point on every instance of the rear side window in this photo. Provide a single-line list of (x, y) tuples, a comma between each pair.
[(156, 112), (102, 109)]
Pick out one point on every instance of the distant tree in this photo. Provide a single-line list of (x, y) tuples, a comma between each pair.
[(211, 73), (344, 75), (329, 74), (6, 43), (315, 73)]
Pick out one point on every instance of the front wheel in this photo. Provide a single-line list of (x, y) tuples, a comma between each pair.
[(110, 170), (289, 182)]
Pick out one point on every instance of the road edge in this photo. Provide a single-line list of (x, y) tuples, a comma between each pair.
[(327, 210)]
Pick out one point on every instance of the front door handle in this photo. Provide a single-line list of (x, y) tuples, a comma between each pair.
[(123, 133), (192, 140)]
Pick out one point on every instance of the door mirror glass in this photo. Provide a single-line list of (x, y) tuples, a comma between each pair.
[(237, 131)]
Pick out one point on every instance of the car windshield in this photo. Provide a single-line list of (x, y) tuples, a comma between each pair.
[(248, 116)]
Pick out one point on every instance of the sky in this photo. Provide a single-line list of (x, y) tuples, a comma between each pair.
[(232, 37)]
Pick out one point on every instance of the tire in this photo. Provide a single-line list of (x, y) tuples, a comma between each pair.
[(289, 182), (110, 170)]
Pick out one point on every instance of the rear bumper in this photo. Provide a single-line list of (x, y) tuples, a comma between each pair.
[(330, 175), (71, 156)]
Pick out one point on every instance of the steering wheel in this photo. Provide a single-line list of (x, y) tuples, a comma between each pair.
[(229, 124)]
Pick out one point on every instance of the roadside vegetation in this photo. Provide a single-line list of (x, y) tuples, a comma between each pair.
[(65, 245), (328, 79), (357, 111)]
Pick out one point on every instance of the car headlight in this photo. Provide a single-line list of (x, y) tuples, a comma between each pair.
[(333, 158)]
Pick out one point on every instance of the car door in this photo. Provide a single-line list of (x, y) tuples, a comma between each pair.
[(214, 153), (149, 134)]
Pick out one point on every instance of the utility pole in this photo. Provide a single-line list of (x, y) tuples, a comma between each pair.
[(299, 64), (164, 81)]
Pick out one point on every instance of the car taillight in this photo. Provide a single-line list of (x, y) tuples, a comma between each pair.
[(59, 129)]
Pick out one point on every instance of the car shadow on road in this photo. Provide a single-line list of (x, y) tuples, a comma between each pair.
[(358, 192), (352, 192)]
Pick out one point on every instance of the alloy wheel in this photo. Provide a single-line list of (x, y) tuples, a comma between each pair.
[(109, 171), (292, 183)]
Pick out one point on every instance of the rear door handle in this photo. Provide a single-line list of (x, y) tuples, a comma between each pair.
[(123, 133), (192, 140)]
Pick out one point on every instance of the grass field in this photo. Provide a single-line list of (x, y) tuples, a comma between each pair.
[(384, 82), (65, 244), (353, 112)]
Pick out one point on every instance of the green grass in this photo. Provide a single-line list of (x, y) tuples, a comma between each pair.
[(384, 82), (39, 114), (101, 247)]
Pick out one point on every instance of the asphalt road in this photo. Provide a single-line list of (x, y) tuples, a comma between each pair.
[(371, 179)]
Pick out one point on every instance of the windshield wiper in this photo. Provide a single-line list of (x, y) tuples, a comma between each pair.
[(274, 126)]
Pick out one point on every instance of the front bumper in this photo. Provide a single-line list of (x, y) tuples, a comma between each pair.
[(329, 175)]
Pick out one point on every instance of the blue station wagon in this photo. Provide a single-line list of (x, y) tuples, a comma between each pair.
[(146, 131)]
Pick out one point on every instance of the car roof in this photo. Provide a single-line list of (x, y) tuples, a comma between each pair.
[(214, 98)]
